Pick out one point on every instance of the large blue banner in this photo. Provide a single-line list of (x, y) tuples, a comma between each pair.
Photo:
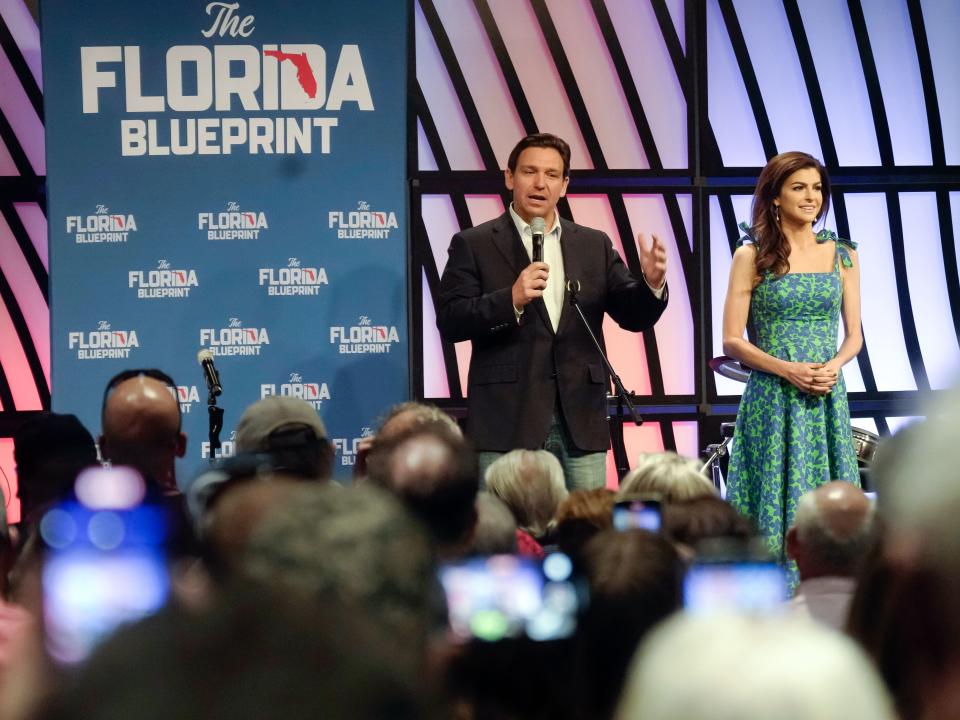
[(229, 176)]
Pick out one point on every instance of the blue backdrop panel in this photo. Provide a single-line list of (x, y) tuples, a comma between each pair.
[(229, 176)]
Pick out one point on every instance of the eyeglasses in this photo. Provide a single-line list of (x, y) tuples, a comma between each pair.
[(153, 373)]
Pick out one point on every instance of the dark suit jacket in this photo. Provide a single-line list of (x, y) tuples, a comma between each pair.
[(517, 370)]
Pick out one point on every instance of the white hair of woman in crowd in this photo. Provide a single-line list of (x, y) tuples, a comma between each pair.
[(751, 668), (531, 483), (669, 475)]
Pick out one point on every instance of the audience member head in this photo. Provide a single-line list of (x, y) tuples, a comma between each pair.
[(668, 475), (399, 420), (496, 531), (406, 416), (832, 531), (687, 523), (887, 466), (213, 481), (291, 432), (919, 506), (580, 516), (140, 424), (531, 483), (896, 615), (228, 524), (785, 668), (434, 472), (49, 450), (355, 546), (635, 582), (252, 654)]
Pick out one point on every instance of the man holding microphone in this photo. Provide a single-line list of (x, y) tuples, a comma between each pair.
[(536, 380)]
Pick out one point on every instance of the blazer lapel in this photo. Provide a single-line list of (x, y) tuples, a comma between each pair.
[(572, 268), (507, 241)]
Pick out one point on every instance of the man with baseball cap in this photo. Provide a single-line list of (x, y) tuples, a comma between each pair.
[(291, 432)]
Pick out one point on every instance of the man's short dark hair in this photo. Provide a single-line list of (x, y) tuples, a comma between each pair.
[(541, 140), (635, 580), (49, 450)]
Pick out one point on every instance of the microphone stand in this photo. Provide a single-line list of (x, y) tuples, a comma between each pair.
[(623, 397), (216, 423)]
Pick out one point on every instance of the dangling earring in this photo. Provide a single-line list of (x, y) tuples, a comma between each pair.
[(776, 213)]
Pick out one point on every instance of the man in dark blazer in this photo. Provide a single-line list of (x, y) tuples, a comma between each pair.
[(536, 380)]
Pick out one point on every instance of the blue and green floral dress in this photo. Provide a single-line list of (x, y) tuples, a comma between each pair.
[(788, 442)]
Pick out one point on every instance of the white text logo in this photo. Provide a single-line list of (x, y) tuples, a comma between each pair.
[(362, 222), (293, 279), (312, 392), (235, 339), (103, 343), (364, 337), (164, 282), (101, 227)]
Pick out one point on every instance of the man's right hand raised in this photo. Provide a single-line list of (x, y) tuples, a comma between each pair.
[(530, 284)]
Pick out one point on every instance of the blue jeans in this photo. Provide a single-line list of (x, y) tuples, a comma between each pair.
[(582, 469)]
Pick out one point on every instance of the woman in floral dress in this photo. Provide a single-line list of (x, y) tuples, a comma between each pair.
[(792, 284)]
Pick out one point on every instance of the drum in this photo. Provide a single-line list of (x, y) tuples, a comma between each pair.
[(729, 368), (865, 444)]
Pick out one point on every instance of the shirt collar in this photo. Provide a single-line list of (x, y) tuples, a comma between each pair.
[(523, 227)]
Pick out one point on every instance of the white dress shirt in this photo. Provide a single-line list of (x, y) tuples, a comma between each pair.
[(552, 256)]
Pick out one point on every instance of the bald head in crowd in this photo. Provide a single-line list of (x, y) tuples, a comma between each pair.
[(141, 428), (434, 472), (831, 532)]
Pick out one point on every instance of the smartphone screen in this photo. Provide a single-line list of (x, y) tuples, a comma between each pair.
[(637, 515), (507, 596), (747, 586), (105, 563)]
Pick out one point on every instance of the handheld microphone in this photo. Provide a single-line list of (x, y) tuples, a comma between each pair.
[(205, 358), (537, 226)]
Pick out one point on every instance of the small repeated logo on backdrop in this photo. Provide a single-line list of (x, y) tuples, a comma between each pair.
[(235, 339), (346, 448), (104, 343), (294, 279), (364, 337), (104, 226), (313, 392), (233, 223), (162, 283), (362, 223), (228, 448), (187, 395)]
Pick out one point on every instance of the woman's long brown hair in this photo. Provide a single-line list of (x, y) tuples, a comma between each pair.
[(773, 252)]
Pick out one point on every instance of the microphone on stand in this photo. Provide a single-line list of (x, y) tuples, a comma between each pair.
[(210, 374), (537, 227), (205, 358)]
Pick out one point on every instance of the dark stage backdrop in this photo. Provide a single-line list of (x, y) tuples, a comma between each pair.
[(671, 107)]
